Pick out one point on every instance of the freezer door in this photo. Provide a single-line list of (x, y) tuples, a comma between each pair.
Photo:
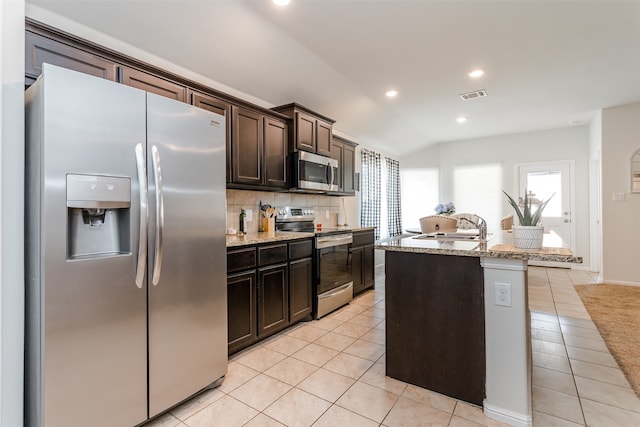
[(86, 318), (187, 253)]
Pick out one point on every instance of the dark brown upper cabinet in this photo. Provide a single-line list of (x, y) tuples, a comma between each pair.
[(276, 153), (246, 146), (40, 49), (150, 83), (259, 150), (344, 151), (323, 138), (221, 107), (310, 131)]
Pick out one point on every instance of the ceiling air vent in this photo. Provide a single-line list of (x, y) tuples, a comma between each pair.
[(475, 94)]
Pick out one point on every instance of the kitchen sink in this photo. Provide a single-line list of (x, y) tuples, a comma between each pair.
[(453, 235)]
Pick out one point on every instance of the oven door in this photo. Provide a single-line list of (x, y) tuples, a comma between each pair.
[(335, 285), (315, 172)]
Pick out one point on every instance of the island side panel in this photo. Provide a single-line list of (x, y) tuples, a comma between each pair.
[(435, 323)]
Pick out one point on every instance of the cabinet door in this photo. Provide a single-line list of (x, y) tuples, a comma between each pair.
[(218, 106), (348, 169), (368, 267), (323, 138), (300, 276), (357, 264), (153, 84), (337, 154), (241, 309), (276, 149), (273, 301), (246, 146), (305, 132), (39, 49)]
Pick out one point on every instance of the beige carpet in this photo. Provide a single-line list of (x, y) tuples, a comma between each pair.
[(615, 309)]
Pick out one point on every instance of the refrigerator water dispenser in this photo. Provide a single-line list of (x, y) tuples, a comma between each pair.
[(98, 216)]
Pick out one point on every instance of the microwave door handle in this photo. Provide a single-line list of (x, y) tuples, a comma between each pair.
[(328, 173), (332, 175)]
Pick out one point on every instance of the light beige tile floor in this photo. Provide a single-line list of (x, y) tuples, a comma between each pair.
[(331, 373)]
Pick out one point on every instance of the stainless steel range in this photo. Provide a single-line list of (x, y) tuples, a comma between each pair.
[(333, 284)]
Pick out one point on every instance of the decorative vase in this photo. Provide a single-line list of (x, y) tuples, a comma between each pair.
[(527, 237)]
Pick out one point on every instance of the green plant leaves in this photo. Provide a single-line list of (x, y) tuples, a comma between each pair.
[(525, 216)]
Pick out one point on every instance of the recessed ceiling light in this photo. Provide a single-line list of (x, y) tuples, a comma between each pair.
[(281, 2), (461, 119), (391, 93), (475, 73)]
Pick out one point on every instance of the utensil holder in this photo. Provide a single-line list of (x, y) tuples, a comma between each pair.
[(268, 225)]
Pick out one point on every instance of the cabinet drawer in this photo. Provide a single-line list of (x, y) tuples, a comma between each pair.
[(363, 238), (301, 249), (272, 254), (241, 259)]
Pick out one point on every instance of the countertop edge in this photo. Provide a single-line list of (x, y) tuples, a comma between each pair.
[(500, 246), (250, 239)]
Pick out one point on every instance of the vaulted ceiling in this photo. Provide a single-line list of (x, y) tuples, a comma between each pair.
[(548, 64)]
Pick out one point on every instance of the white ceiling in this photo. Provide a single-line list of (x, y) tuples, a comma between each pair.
[(549, 64)]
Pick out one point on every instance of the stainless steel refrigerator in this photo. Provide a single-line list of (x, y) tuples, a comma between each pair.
[(126, 258)]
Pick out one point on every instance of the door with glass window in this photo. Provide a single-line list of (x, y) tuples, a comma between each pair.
[(544, 180)]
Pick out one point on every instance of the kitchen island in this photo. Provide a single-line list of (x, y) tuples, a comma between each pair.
[(457, 320)]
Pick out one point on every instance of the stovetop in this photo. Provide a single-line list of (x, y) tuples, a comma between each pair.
[(301, 219)]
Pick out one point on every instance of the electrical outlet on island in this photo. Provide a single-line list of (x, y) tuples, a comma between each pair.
[(503, 294)]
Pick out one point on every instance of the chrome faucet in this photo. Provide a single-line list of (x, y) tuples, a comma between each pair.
[(481, 225)]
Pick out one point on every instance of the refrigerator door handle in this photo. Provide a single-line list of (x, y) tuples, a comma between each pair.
[(144, 217), (157, 176)]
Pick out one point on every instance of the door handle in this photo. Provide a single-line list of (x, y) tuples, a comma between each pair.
[(328, 173), (157, 176), (144, 216), (566, 220)]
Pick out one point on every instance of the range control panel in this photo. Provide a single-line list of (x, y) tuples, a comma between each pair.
[(288, 213)]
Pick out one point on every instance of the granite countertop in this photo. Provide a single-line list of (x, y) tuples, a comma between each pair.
[(279, 236), (257, 238), (499, 245), (350, 228)]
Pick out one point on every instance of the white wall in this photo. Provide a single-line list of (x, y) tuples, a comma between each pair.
[(11, 211), (571, 143), (595, 202), (620, 220)]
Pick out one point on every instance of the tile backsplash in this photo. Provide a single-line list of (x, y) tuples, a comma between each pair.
[(250, 200)]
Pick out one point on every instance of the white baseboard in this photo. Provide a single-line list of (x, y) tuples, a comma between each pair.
[(619, 282), (507, 416)]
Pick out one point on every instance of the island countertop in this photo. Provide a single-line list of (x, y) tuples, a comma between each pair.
[(499, 245)]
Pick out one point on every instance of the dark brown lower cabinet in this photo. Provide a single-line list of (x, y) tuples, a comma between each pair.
[(268, 289), (241, 297), (273, 299), (300, 300), (362, 261), (435, 323), (357, 266)]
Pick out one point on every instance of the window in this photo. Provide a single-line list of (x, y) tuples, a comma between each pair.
[(478, 190), (420, 194)]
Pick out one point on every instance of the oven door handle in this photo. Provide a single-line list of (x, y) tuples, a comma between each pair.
[(335, 291), (330, 241)]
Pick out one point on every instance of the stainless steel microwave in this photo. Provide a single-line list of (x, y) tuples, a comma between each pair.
[(314, 172)]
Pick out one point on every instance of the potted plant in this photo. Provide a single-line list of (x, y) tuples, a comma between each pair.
[(528, 235)]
